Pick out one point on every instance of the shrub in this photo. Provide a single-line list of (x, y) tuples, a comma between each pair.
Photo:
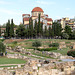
[(2, 48), (48, 49), (71, 53), (36, 44), (2, 40), (65, 35), (54, 45), (15, 42)]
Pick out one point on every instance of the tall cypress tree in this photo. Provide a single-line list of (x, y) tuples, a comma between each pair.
[(12, 29), (41, 29), (49, 31), (46, 32), (27, 30), (8, 29), (57, 29), (35, 29), (0, 30), (39, 26), (31, 28)]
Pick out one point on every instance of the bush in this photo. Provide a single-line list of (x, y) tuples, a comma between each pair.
[(15, 42), (71, 53), (65, 36), (48, 49), (54, 45), (2, 40), (2, 48), (36, 44)]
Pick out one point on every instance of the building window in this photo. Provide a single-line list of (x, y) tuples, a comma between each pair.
[(35, 14)]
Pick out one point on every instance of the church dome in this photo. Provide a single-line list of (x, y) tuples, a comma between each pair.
[(37, 9)]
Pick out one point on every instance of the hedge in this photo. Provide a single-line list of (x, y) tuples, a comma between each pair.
[(71, 53), (54, 45), (48, 49)]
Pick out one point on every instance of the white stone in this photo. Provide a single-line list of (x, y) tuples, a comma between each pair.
[(72, 68), (38, 65), (34, 67), (19, 66)]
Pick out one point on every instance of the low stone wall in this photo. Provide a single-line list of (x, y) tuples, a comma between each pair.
[(16, 56), (12, 67), (19, 49)]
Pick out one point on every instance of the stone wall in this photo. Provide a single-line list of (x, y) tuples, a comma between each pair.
[(48, 69)]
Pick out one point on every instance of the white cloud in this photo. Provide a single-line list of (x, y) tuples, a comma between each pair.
[(4, 2), (45, 2), (8, 12)]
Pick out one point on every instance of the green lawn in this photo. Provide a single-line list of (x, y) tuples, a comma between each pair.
[(4, 60), (42, 55), (8, 66), (63, 51)]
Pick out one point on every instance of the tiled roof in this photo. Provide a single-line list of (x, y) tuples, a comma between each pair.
[(47, 15), (37, 9), (49, 19), (25, 14)]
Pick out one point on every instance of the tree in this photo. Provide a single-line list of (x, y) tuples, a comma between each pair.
[(12, 29), (41, 29), (68, 30), (8, 29), (39, 26), (27, 32), (36, 44), (31, 28), (35, 29), (0, 30), (65, 35), (20, 31), (2, 48), (73, 35), (46, 32), (50, 32), (57, 29)]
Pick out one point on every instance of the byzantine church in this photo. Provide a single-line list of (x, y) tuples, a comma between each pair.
[(34, 15)]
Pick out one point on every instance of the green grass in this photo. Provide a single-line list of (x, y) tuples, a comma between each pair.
[(8, 66), (4, 60), (42, 55), (63, 51), (27, 44)]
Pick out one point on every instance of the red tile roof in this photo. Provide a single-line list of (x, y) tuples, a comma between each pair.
[(25, 14), (47, 15), (25, 19), (49, 19), (37, 9)]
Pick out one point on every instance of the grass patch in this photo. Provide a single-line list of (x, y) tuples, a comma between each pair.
[(4, 60), (42, 55), (8, 66), (63, 51)]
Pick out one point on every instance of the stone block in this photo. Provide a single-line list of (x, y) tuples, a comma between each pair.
[(19, 66)]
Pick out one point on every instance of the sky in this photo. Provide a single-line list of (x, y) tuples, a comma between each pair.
[(56, 9)]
